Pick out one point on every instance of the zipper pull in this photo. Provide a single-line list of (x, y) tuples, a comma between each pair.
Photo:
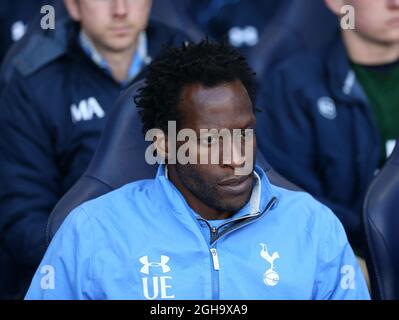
[(215, 259), (214, 233)]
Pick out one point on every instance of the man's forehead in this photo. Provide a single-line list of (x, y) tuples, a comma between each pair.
[(226, 105)]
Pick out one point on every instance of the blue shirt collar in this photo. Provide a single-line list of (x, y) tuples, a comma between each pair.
[(139, 60), (261, 194)]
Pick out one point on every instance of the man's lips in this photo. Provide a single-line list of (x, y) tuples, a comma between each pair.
[(120, 29), (234, 181), (237, 184)]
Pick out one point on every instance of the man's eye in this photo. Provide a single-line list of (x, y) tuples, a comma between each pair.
[(209, 140)]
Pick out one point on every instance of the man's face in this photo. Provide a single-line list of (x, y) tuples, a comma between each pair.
[(226, 106), (377, 20), (112, 25)]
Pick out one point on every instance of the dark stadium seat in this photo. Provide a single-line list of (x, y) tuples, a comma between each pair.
[(37, 47), (119, 159), (298, 25), (172, 13), (381, 224), (294, 26)]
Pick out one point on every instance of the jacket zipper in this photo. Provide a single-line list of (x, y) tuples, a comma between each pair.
[(213, 244), (251, 217), (215, 265), (215, 259)]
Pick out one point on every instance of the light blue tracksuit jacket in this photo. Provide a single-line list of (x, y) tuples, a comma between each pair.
[(143, 241)]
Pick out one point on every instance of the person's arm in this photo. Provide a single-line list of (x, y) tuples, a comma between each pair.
[(65, 272), (29, 175), (287, 137), (338, 275)]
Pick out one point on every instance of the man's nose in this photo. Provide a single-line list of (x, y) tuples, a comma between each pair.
[(120, 7), (237, 154)]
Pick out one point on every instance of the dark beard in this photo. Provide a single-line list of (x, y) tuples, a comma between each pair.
[(207, 193)]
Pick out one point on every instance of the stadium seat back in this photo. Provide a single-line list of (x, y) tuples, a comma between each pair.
[(381, 224), (172, 13), (298, 25), (294, 26)]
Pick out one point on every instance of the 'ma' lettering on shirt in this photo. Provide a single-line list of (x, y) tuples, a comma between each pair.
[(86, 110)]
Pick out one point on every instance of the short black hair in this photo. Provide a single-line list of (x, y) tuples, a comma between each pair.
[(208, 63)]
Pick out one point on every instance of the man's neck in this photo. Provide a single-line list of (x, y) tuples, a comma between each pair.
[(119, 62), (367, 52), (198, 206)]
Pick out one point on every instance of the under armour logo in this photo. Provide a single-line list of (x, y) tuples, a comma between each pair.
[(244, 36), (146, 264), (271, 277)]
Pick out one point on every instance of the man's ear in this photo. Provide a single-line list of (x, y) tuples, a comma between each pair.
[(161, 144), (73, 9), (335, 5)]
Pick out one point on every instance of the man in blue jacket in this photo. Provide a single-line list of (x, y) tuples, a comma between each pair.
[(52, 116), (330, 117), (200, 231)]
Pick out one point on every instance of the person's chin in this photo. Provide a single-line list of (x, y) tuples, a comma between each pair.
[(235, 204), (393, 23), (236, 196), (390, 36), (393, 37), (237, 189), (119, 42), (118, 46)]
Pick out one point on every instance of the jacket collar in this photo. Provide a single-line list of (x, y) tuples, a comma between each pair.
[(261, 195), (140, 58), (40, 48), (341, 77)]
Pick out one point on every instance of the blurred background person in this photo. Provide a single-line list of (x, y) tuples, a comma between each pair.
[(330, 116)]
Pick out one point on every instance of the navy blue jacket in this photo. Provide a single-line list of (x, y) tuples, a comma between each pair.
[(50, 123), (38, 47), (15, 17), (317, 129)]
